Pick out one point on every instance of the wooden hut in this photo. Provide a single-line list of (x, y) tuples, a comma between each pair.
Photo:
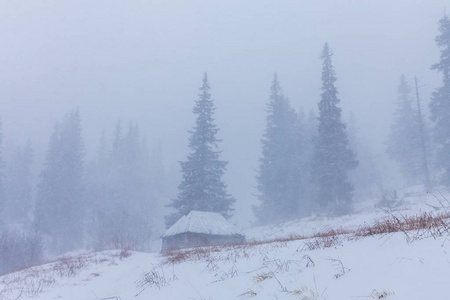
[(198, 229)]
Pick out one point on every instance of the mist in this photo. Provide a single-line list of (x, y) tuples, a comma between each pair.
[(143, 61)]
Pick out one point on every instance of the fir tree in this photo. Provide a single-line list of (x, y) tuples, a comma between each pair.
[(404, 139), (202, 187), (332, 157), (440, 102), (60, 205), (280, 184)]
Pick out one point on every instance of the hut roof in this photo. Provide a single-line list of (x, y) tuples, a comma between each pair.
[(202, 222)]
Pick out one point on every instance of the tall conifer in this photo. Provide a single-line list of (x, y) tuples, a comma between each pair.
[(440, 102), (332, 158), (202, 187), (404, 138), (279, 183), (60, 205)]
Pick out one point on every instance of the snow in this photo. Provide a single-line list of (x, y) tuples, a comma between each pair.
[(385, 266), (202, 222)]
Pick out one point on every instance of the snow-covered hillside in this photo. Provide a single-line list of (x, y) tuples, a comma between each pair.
[(340, 258)]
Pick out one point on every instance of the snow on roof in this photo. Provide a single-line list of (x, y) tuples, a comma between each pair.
[(202, 222)]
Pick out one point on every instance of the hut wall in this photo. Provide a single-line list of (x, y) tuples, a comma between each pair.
[(189, 239)]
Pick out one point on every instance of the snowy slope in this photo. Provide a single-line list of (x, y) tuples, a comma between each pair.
[(387, 266)]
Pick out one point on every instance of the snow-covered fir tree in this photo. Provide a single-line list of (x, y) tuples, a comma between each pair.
[(281, 175), (60, 204), (404, 145), (440, 102), (202, 187), (332, 157)]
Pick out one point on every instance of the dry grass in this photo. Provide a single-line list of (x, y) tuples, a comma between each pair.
[(154, 278), (124, 253), (197, 253), (33, 281), (237, 251), (414, 227), (262, 276), (380, 295), (249, 294), (322, 242), (306, 293)]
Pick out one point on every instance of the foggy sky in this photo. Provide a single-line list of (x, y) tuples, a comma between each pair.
[(143, 61)]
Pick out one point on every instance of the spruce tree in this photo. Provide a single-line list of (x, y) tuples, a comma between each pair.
[(404, 139), (280, 185), (332, 158), (202, 187), (60, 205), (440, 102)]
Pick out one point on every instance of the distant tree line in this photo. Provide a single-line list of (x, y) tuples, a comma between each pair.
[(105, 203)]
